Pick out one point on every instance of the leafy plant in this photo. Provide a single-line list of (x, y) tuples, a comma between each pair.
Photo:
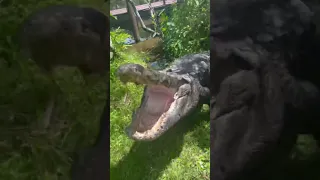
[(187, 29), (117, 41)]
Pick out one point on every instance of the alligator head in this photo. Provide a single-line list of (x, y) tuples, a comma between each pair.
[(168, 97)]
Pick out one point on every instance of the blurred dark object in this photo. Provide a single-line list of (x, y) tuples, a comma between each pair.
[(64, 35)]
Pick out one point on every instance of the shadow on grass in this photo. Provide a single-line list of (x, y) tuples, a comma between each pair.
[(147, 160)]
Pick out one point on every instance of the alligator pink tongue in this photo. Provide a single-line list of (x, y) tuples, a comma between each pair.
[(157, 102)]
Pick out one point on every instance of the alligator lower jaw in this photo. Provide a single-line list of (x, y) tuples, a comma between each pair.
[(156, 114)]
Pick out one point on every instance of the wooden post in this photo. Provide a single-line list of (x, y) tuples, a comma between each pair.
[(136, 34), (164, 2)]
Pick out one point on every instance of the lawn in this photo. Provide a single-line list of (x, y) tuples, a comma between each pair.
[(181, 153)]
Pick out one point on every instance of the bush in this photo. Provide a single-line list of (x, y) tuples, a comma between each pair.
[(187, 29), (118, 37)]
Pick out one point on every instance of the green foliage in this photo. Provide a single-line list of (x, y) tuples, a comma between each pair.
[(112, 16), (187, 29), (118, 37)]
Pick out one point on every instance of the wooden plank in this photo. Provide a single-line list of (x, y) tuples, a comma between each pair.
[(144, 7)]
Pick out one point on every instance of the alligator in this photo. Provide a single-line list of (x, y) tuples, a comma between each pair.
[(264, 85), (169, 95)]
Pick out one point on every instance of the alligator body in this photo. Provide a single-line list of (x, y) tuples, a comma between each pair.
[(268, 91), (169, 95)]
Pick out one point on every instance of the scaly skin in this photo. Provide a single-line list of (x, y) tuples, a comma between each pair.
[(138, 74)]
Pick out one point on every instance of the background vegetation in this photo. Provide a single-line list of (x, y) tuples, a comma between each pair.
[(183, 152), (27, 152), (187, 29)]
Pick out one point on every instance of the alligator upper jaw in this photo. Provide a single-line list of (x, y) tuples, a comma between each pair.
[(160, 109)]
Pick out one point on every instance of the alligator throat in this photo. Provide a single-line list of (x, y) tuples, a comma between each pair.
[(157, 101)]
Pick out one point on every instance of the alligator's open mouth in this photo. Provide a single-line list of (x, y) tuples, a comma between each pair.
[(156, 102), (162, 104), (160, 109)]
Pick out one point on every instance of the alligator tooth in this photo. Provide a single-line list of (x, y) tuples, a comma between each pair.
[(176, 96)]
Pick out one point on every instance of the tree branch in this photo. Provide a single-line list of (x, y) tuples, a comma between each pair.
[(144, 27)]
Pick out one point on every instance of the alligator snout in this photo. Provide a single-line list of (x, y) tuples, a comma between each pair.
[(128, 72), (140, 75)]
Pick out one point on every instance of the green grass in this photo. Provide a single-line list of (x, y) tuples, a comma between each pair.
[(181, 153), (28, 152)]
